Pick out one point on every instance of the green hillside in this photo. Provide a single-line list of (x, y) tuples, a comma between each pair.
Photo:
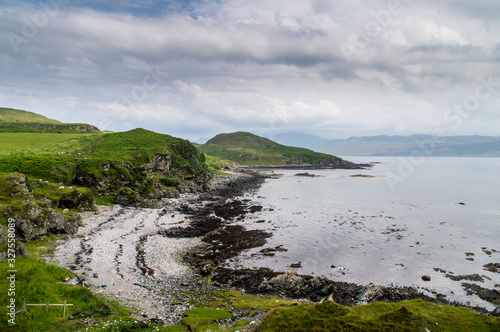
[(130, 143), (19, 121), (11, 115), (134, 167), (131, 149), (31, 143), (248, 149)]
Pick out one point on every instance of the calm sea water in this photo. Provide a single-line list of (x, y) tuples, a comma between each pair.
[(412, 217)]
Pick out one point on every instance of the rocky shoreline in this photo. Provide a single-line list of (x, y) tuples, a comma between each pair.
[(343, 165), (127, 254), (156, 259), (227, 241)]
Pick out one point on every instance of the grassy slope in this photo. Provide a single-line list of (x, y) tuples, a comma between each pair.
[(414, 315), (128, 144), (249, 149), (34, 143), (19, 121), (43, 159), (18, 116), (38, 282)]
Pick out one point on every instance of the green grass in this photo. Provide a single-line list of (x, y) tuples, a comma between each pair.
[(57, 168), (35, 143), (217, 165), (10, 115), (414, 315), (38, 282), (249, 149), (139, 146), (128, 145), (42, 247), (212, 311), (244, 301), (196, 318)]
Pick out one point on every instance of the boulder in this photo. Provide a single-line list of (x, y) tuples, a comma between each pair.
[(21, 250), (28, 230), (59, 224), (77, 200)]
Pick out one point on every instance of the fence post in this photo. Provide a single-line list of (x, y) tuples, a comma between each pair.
[(64, 309)]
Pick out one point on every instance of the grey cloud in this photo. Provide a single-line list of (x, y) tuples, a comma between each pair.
[(249, 64), (484, 10)]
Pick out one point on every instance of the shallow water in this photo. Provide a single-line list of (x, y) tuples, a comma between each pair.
[(392, 228)]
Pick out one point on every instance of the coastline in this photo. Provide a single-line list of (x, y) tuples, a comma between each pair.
[(346, 165), (124, 253), (152, 259)]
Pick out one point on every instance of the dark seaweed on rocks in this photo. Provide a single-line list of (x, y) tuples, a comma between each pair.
[(246, 181), (490, 295)]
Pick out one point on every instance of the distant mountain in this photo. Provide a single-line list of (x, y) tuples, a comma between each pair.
[(248, 149), (445, 146), (300, 140), (19, 121), (201, 140)]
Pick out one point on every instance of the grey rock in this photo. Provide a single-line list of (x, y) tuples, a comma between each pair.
[(59, 224), (77, 200), (21, 250), (159, 163), (28, 230)]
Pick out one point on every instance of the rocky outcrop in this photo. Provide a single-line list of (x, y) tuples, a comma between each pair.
[(83, 127), (160, 163), (53, 222), (78, 201), (28, 230), (77, 126), (34, 218), (59, 224)]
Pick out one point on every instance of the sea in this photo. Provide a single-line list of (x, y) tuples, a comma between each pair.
[(392, 224)]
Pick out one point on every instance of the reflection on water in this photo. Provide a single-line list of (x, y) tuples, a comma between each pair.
[(358, 229)]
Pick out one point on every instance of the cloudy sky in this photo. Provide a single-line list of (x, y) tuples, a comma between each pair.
[(332, 68)]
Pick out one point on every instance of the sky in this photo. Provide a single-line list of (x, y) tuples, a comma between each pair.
[(191, 69)]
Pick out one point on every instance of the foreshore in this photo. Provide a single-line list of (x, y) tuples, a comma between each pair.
[(156, 260), (125, 252)]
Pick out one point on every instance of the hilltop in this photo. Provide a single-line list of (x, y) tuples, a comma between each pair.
[(19, 121), (11, 115), (248, 149)]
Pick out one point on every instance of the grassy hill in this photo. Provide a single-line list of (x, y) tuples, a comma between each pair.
[(134, 167), (128, 144), (10, 115), (72, 157), (19, 121), (248, 149)]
